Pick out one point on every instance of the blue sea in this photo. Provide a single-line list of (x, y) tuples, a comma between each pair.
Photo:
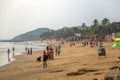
[(19, 49)]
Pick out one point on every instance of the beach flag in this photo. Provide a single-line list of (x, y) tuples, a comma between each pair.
[(116, 45), (117, 39)]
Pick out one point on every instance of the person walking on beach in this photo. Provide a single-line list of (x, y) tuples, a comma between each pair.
[(44, 59), (31, 51), (91, 44), (51, 53), (47, 48), (96, 43), (56, 50), (101, 44), (13, 49), (8, 51), (28, 51), (59, 51)]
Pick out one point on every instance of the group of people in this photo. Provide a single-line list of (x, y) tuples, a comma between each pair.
[(72, 44), (96, 43), (8, 51), (85, 43), (29, 50), (48, 54), (92, 43)]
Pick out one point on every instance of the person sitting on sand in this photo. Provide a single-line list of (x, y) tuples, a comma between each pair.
[(38, 59)]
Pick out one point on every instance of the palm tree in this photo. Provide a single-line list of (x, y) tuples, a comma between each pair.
[(105, 21), (83, 26), (95, 22), (95, 26)]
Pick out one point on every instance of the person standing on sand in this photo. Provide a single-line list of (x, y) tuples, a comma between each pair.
[(87, 43), (28, 51), (56, 50), (31, 51), (101, 44), (51, 53), (8, 51), (47, 48), (13, 49), (44, 59), (59, 51), (90, 43), (96, 43)]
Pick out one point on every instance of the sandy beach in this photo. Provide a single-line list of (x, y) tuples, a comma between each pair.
[(70, 60)]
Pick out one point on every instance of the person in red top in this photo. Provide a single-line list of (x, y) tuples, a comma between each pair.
[(51, 54)]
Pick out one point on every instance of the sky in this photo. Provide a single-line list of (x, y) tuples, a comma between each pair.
[(20, 16)]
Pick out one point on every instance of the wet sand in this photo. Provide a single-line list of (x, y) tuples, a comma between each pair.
[(70, 60)]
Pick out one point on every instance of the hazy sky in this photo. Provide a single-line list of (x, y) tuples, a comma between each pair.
[(20, 16)]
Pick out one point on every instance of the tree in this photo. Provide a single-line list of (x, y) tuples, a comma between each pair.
[(95, 22), (95, 27), (83, 26), (105, 21)]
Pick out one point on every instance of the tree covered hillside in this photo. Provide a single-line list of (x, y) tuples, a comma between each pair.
[(32, 35), (105, 27)]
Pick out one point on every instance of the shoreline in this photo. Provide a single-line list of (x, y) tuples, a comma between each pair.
[(19, 60), (5, 61), (71, 59), (19, 50)]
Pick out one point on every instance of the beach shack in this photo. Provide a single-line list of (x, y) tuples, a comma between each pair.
[(97, 37), (78, 36)]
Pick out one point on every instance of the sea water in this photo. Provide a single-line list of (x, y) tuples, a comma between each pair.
[(19, 49)]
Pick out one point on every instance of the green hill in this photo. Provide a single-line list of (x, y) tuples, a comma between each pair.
[(31, 35)]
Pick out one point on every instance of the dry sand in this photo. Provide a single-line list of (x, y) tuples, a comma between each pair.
[(71, 59)]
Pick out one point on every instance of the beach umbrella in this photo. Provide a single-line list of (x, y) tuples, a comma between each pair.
[(117, 39), (116, 45)]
